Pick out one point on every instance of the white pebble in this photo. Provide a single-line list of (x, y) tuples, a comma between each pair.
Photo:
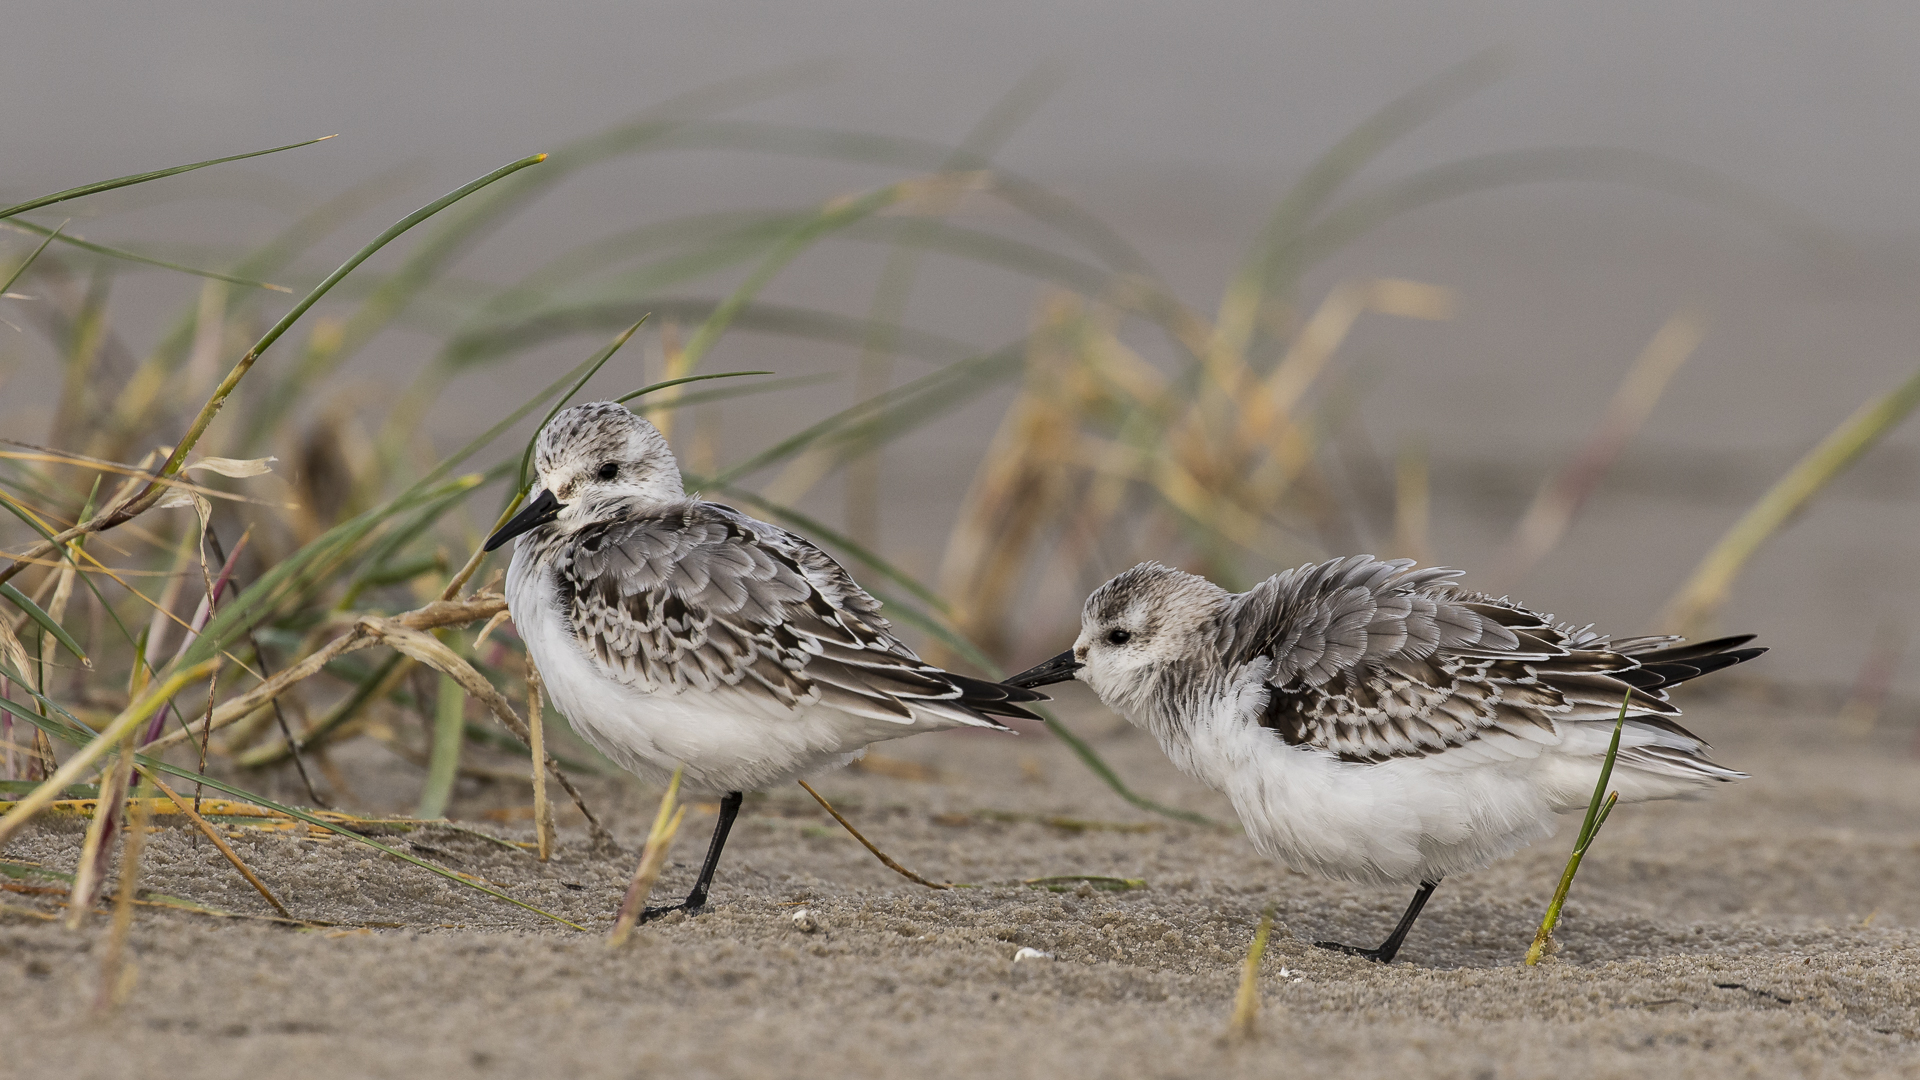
[(806, 921), (1031, 954)]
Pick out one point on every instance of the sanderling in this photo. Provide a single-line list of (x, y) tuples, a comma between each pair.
[(678, 633), (1379, 724)]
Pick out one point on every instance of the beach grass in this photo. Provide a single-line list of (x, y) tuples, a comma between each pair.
[(349, 603)]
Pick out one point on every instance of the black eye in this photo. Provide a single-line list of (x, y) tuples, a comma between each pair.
[(1118, 637), (609, 470)]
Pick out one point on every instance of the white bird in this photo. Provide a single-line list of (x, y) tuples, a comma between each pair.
[(1379, 724), (678, 633)]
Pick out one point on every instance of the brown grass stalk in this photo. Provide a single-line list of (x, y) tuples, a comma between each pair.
[(885, 859), (219, 842)]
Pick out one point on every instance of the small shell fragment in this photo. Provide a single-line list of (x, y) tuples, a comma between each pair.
[(806, 921), (1031, 954)]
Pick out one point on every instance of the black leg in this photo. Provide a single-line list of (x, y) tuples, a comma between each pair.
[(696, 901), (1385, 953)]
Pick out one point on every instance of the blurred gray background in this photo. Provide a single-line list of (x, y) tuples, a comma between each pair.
[(1179, 124)]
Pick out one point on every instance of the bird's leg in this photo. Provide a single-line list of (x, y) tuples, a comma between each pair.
[(696, 901), (1385, 953)]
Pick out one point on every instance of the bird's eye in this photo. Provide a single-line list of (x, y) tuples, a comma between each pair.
[(1118, 637), (609, 470)]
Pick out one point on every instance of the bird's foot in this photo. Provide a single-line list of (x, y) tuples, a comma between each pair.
[(688, 906), (1378, 956)]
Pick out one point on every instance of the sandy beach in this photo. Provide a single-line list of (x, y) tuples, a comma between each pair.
[(1769, 929)]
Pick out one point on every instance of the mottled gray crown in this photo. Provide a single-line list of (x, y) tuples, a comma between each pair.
[(594, 430), (1149, 582)]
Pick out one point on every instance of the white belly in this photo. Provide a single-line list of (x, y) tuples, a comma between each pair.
[(1398, 822), (729, 740)]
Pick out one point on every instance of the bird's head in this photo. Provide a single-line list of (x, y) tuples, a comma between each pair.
[(1133, 630), (593, 461)]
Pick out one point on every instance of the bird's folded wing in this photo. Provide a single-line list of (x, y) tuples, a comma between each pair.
[(698, 596), (1373, 660)]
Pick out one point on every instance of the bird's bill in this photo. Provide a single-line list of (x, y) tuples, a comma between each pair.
[(1059, 669), (535, 514)]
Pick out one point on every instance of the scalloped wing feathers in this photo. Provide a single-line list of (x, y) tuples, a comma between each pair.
[(1375, 660), (699, 596)]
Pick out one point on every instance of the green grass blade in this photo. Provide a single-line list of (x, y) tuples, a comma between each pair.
[(835, 216), (947, 388), (652, 388), (1262, 270), (1589, 826), (1707, 587), (45, 620), (266, 592), (136, 257), (22, 268), (924, 155), (490, 341), (791, 382), (72, 731), (594, 365), (392, 232), (1599, 807), (1552, 164), (141, 178), (464, 229), (443, 760), (226, 387)]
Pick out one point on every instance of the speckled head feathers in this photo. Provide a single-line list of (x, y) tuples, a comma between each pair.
[(1135, 628), (599, 453)]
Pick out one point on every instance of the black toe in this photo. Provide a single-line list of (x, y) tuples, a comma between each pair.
[(1375, 955)]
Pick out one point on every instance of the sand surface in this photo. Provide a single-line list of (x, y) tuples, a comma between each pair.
[(1771, 929)]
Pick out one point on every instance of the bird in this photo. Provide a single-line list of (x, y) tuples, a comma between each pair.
[(1380, 724), (680, 634)]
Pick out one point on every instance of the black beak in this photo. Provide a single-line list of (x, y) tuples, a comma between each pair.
[(535, 514), (1058, 669)]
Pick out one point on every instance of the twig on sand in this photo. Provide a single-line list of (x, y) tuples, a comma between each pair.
[(885, 859)]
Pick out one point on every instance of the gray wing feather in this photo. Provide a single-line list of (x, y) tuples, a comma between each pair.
[(699, 596), (1375, 660)]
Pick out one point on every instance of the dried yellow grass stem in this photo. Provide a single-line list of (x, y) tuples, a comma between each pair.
[(1546, 521), (653, 859), (407, 635), (96, 851), (1246, 1003), (116, 971), (1412, 504), (537, 741), (77, 766), (1218, 450)]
